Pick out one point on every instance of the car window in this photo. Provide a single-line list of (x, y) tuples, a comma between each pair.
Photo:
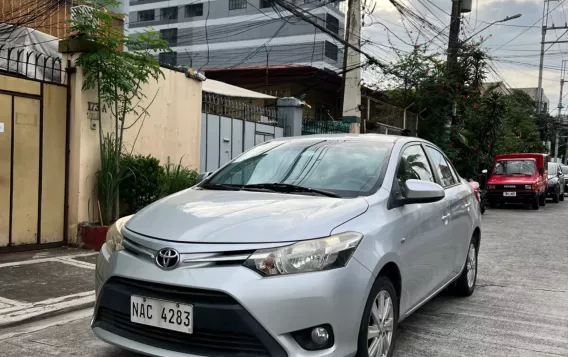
[(442, 167), (414, 165)]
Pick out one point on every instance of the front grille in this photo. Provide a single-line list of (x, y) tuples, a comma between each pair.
[(510, 187), (207, 343), (222, 327)]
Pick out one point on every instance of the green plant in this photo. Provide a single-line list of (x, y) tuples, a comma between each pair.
[(178, 177), (144, 186), (109, 180), (117, 76)]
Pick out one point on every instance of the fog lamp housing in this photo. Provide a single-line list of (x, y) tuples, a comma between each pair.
[(315, 338)]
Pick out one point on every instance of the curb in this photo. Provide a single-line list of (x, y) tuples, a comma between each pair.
[(44, 311)]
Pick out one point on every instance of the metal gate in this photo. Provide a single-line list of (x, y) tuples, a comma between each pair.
[(34, 118), (229, 128)]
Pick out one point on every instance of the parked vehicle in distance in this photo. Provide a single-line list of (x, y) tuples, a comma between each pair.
[(310, 246), (556, 182), (518, 178), (565, 172)]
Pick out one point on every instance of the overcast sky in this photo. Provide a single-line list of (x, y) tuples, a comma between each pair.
[(516, 62)]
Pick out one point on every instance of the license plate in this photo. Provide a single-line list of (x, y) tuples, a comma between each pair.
[(164, 314), (509, 194)]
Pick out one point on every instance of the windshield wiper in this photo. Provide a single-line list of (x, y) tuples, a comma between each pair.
[(220, 186), (289, 188)]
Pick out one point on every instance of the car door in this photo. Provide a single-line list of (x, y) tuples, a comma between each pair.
[(423, 228), (454, 247)]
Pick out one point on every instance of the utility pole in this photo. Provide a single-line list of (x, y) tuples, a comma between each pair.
[(558, 118), (545, 10), (352, 60)]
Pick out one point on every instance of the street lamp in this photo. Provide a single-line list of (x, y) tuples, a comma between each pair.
[(508, 18)]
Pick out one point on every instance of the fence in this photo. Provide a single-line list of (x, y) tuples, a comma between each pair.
[(310, 127), (23, 62), (235, 108), (229, 127), (383, 118)]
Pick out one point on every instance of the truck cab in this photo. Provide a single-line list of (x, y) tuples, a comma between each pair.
[(518, 178)]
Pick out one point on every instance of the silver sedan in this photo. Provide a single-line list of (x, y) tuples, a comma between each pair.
[(308, 246)]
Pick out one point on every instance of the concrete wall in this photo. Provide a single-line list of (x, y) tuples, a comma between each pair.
[(171, 130)]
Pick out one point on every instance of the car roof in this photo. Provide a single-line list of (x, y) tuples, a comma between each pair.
[(356, 137)]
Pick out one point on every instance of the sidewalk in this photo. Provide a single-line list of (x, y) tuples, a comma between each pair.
[(38, 284)]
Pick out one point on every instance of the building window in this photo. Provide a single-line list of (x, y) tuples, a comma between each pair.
[(237, 4), (264, 4), (169, 58), (332, 24), (194, 10), (331, 50), (170, 35), (146, 15), (169, 13)]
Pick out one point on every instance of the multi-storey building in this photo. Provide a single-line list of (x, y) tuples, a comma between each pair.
[(239, 33)]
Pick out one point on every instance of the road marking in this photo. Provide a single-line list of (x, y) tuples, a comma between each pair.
[(49, 322), (47, 306), (61, 259)]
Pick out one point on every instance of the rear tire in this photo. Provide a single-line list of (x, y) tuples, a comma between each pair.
[(373, 334), (465, 284), (556, 197)]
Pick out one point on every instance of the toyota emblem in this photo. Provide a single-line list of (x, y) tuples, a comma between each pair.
[(167, 258)]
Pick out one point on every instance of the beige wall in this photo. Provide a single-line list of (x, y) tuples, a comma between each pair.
[(170, 130)]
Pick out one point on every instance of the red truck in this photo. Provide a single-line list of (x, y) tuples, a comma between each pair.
[(518, 178)]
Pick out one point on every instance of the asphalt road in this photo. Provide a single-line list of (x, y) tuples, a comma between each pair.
[(520, 306)]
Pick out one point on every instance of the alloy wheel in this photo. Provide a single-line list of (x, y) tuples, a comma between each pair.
[(471, 265), (381, 325)]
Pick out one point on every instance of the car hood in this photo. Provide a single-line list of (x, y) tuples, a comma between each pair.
[(504, 180), (209, 216)]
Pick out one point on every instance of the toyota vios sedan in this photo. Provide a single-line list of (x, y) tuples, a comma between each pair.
[(300, 247)]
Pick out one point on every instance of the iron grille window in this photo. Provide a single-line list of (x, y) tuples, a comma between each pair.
[(146, 15), (331, 50), (168, 58), (332, 24), (194, 10), (265, 4), (170, 35), (237, 4), (169, 13)]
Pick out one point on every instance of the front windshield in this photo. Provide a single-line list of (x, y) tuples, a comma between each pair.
[(515, 167), (347, 168)]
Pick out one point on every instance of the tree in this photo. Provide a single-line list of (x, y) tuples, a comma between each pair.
[(118, 77)]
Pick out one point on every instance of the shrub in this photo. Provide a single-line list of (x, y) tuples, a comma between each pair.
[(145, 184), (177, 178)]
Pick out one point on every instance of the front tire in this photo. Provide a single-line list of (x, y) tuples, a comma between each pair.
[(465, 285), (377, 332)]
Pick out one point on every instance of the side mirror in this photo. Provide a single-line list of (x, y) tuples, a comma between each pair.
[(203, 176), (484, 171), (418, 191), (541, 170)]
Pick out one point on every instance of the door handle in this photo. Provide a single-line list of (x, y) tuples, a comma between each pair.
[(445, 217), (467, 205)]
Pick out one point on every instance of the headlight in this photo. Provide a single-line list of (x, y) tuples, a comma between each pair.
[(114, 237), (306, 256), (528, 187), (490, 187)]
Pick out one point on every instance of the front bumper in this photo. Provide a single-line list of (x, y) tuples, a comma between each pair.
[(552, 190), (521, 197), (237, 312)]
